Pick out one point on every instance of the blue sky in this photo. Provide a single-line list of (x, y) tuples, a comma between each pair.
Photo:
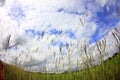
[(106, 20), (46, 26), (104, 14)]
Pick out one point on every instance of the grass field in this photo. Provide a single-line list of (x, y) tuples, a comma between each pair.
[(109, 70)]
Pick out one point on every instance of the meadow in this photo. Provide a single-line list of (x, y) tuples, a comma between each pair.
[(108, 70)]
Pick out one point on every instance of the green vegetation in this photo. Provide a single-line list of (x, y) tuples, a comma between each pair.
[(14, 73), (109, 70)]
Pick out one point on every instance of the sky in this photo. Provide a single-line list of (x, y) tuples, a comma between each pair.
[(43, 27)]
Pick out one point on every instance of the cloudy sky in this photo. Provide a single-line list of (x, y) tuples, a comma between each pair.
[(42, 26)]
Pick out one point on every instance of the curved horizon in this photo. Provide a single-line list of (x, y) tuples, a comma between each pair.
[(46, 33)]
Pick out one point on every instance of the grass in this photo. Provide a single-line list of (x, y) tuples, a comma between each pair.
[(14, 73), (109, 70)]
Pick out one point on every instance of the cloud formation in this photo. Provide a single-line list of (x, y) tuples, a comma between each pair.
[(46, 28)]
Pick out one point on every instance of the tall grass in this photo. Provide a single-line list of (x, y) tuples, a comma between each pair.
[(14, 73), (108, 70)]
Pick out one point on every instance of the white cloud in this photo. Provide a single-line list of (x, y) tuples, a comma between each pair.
[(102, 2), (44, 15)]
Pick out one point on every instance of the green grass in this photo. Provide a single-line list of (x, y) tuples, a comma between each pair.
[(109, 70)]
